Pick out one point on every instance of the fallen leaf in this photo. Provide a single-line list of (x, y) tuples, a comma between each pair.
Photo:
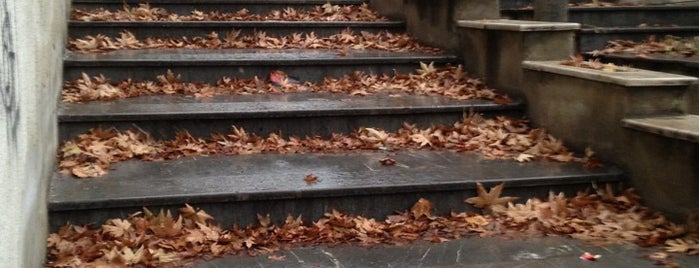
[(589, 257), (310, 179), (422, 207), (485, 200), (387, 161)]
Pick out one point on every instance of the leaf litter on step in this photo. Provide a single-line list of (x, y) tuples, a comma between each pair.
[(601, 216)]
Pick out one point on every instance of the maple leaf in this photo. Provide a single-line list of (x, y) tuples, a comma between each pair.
[(164, 225), (426, 69), (485, 200), (117, 228), (524, 157), (682, 246), (421, 138)]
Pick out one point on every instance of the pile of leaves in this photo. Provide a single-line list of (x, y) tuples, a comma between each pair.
[(594, 64), (345, 40), (144, 12), (91, 154), (448, 81), (153, 240), (669, 45)]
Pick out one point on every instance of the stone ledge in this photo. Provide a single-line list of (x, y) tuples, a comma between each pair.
[(628, 78), (683, 127), (518, 25)]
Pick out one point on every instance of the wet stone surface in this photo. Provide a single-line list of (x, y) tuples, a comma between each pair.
[(466, 253)]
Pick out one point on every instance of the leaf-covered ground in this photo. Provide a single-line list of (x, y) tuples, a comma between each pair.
[(668, 45), (163, 239), (346, 40), (446, 81), (144, 12), (91, 154)]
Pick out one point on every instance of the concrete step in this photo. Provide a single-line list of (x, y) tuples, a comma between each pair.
[(629, 16), (186, 6), (471, 252), (592, 38), (166, 29), (656, 62), (298, 114), (681, 127), (237, 188), (208, 65)]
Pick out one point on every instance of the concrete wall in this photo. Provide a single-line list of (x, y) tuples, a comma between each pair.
[(589, 113), (33, 41), (433, 22)]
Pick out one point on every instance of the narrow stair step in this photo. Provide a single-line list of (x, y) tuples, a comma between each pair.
[(682, 127), (658, 62), (236, 189), (592, 38), (621, 15), (208, 65), (168, 29), (163, 116), (186, 6)]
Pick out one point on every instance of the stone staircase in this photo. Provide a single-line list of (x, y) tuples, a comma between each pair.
[(657, 143), (234, 189), (636, 22)]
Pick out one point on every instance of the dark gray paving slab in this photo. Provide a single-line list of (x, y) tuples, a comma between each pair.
[(289, 113), (211, 64), (163, 29), (186, 6), (236, 188), (465, 253)]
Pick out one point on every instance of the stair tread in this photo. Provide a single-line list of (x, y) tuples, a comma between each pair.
[(268, 105), (645, 29), (267, 23), (653, 57), (281, 176), (684, 127), (246, 56)]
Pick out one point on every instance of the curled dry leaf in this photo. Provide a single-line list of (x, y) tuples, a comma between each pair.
[(387, 161), (423, 207), (310, 179)]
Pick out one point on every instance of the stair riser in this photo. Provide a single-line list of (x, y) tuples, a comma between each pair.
[(186, 7), (620, 16), (178, 30), (213, 70), (288, 125), (589, 41), (244, 212)]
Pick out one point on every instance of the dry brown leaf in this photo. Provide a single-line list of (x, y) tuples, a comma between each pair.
[(485, 199), (422, 207)]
